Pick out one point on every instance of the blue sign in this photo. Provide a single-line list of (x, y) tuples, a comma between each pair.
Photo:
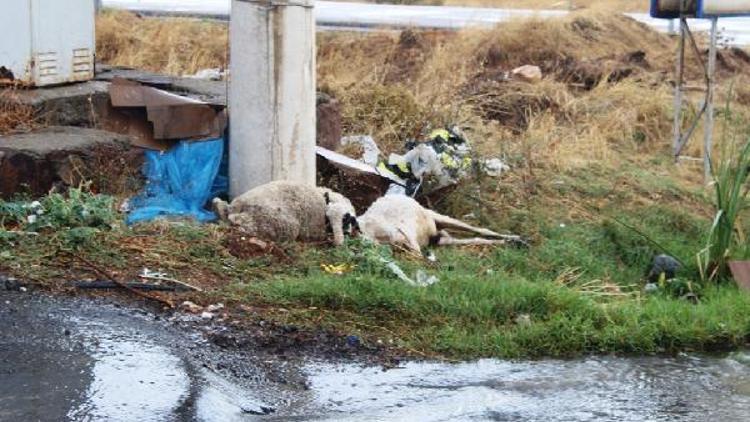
[(670, 9)]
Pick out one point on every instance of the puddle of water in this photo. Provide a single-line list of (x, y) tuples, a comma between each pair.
[(133, 381), (223, 401), (606, 389), (96, 363)]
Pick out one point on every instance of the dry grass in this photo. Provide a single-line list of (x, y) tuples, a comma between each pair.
[(605, 99), (15, 117), (175, 46), (589, 107)]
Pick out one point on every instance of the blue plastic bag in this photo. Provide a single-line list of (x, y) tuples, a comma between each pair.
[(180, 182)]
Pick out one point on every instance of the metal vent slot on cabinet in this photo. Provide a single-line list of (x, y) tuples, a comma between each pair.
[(83, 63), (47, 64)]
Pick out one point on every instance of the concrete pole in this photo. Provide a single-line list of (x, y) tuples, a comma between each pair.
[(709, 129), (271, 93)]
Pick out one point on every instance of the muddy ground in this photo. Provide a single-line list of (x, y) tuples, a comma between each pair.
[(90, 359), (96, 358)]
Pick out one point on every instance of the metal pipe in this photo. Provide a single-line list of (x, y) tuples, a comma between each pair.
[(711, 78), (679, 74), (271, 93)]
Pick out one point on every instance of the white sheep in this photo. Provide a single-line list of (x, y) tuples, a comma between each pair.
[(399, 220), (286, 211)]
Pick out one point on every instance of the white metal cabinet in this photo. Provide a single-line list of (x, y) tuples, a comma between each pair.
[(47, 42)]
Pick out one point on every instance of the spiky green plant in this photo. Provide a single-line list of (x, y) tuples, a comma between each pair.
[(727, 239)]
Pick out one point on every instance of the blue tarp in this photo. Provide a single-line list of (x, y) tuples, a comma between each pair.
[(181, 181)]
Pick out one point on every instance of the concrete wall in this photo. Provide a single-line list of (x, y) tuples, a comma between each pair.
[(272, 93)]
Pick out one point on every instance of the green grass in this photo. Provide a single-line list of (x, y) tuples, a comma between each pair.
[(506, 302), (576, 290), (727, 238), (473, 312)]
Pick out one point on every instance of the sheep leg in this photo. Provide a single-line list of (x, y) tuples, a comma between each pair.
[(410, 242), (221, 208), (475, 241), (445, 222)]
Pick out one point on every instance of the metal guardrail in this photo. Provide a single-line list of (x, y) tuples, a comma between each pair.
[(343, 15)]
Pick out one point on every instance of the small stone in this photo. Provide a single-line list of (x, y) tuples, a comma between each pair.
[(495, 167), (10, 284), (207, 315), (663, 264), (191, 307), (528, 73), (352, 341), (215, 308)]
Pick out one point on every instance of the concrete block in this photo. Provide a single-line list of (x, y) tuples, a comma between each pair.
[(35, 162)]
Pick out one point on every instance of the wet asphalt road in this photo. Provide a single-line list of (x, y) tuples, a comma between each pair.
[(67, 359), (92, 360)]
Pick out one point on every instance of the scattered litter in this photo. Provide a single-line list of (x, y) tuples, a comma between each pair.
[(36, 207), (179, 182), (161, 276), (125, 207), (146, 287), (371, 155), (339, 269), (528, 73), (215, 74), (422, 279), (651, 288), (146, 273), (111, 278), (185, 150), (523, 320), (439, 160), (495, 167), (347, 163)]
